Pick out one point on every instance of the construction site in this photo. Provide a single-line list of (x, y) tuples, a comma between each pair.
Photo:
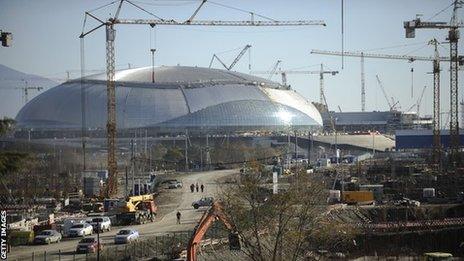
[(222, 160)]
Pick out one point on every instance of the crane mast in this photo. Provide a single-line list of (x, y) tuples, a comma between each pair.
[(111, 187), (453, 37), (411, 58), (436, 105), (363, 85)]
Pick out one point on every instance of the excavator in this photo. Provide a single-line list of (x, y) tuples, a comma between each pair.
[(137, 210), (215, 213)]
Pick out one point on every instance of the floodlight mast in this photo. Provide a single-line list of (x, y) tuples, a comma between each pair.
[(111, 187)]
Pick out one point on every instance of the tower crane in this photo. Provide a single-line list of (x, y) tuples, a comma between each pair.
[(237, 58), (453, 37), (110, 23), (411, 58), (25, 91), (26, 88), (284, 73)]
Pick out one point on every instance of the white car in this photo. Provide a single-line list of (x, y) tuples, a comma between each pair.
[(126, 235), (101, 224), (80, 230), (47, 237)]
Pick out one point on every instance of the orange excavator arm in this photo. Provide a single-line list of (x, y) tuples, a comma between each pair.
[(215, 213)]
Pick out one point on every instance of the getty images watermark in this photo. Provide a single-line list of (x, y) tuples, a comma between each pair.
[(3, 237)]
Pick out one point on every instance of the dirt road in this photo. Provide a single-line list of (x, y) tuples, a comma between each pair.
[(171, 201)]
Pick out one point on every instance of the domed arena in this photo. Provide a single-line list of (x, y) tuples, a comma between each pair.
[(179, 98)]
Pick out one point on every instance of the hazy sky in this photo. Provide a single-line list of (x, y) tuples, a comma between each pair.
[(46, 43)]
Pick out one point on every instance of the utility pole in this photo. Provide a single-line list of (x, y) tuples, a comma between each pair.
[(133, 166), (296, 145), (186, 151), (321, 84), (309, 147), (83, 107)]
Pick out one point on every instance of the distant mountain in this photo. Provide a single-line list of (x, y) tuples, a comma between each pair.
[(11, 98)]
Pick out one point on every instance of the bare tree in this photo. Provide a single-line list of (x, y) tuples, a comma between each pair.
[(282, 226)]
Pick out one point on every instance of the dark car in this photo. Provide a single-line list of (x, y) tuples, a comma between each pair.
[(88, 245), (203, 202)]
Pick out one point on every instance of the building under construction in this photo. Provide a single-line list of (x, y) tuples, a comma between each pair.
[(179, 98), (369, 121)]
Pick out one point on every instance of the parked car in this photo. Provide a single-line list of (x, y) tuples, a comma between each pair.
[(126, 235), (88, 245), (173, 184), (203, 202), (47, 237), (101, 224), (68, 223), (80, 230)]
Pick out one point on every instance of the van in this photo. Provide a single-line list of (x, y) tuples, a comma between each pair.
[(101, 224)]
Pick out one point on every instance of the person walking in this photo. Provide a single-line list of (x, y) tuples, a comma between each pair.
[(192, 187), (202, 187), (197, 187), (178, 215)]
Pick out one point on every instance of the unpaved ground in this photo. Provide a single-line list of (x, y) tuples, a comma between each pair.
[(170, 201)]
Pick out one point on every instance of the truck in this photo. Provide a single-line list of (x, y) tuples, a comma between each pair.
[(358, 197), (137, 210)]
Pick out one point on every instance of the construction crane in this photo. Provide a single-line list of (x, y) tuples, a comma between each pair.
[(284, 73), (362, 55), (453, 37), (419, 100), (411, 58), (273, 71), (363, 85), (391, 104), (237, 58), (110, 23), (25, 90)]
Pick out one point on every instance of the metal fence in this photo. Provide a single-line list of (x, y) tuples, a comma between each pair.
[(159, 246)]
